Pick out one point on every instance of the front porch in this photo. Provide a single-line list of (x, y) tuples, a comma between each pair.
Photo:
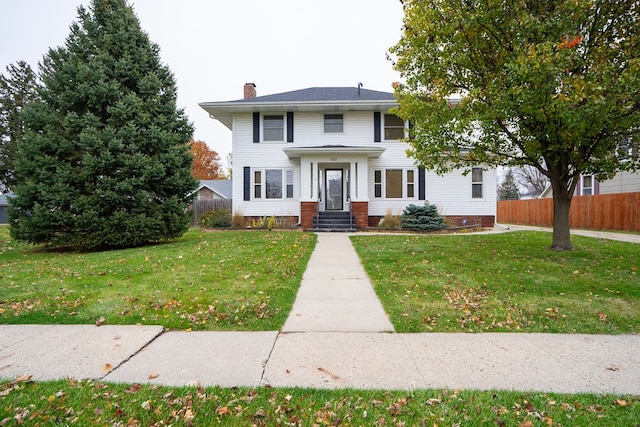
[(333, 179)]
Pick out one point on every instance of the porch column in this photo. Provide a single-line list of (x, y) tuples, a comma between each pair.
[(353, 179), (308, 192), (361, 180), (305, 180)]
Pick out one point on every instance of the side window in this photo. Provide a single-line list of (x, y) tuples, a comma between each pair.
[(289, 184), (377, 183), (476, 183), (273, 128), (410, 184), (257, 184), (393, 127), (333, 123), (587, 185)]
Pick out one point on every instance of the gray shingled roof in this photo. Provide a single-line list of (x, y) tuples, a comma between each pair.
[(324, 94), (221, 186), (310, 99), (3, 199)]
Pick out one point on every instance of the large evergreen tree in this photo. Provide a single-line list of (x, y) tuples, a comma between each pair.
[(105, 159), (17, 89)]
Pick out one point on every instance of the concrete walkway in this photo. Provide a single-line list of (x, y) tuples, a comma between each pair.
[(335, 294), (332, 339)]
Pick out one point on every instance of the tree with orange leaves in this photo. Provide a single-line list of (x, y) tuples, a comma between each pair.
[(206, 162)]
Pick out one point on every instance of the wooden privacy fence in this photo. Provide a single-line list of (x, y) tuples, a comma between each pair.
[(202, 206), (602, 212)]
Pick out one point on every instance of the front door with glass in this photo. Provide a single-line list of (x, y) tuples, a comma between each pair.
[(334, 189)]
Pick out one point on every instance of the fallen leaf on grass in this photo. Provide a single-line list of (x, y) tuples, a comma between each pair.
[(100, 321), (23, 379), (134, 388), (621, 402)]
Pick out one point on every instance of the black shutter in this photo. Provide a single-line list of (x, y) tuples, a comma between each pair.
[(421, 184), (247, 183), (377, 127), (256, 128), (290, 126)]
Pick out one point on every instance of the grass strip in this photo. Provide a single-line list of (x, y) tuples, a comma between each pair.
[(232, 280), (507, 282), (72, 402)]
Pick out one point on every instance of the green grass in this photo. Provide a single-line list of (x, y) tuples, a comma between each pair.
[(95, 403), (235, 280), (504, 282)]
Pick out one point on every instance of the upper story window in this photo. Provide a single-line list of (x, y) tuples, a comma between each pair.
[(477, 180), (586, 189), (273, 128), (333, 123), (393, 127)]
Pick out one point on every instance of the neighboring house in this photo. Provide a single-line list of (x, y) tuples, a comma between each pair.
[(215, 189), (4, 206), (623, 182), (308, 153)]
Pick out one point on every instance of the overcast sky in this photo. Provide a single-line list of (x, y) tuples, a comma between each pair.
[(213, 47)]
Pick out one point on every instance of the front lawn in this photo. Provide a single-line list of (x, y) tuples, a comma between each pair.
[(95, 403), (504, 282), (232, 280)]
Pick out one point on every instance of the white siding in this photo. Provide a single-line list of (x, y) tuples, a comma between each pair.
[(451, 192), (263, 155)]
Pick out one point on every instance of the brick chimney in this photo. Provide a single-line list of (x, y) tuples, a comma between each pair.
[(249, 90)]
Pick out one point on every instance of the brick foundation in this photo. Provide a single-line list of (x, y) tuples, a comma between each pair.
[(462, 220), (360, 212), (307, 211)]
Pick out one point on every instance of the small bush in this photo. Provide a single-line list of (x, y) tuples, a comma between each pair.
[(422, 218), (238, 220), (271, 222), (215, 219), (391, 221)]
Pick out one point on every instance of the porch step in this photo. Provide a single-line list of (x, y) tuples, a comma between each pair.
[(334, 221)]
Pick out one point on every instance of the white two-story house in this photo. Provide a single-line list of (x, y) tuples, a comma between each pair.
[(307, 152)]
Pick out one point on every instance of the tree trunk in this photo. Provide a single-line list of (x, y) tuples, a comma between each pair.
[(561, 230)]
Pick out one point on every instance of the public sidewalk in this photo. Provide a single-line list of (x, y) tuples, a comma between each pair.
[(607, 235), (326, 344)]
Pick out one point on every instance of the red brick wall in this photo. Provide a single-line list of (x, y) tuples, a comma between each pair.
[(307, 211), (360, 212), (483, 220)]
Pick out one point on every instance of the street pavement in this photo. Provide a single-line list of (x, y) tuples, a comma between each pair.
[(337, 336)]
